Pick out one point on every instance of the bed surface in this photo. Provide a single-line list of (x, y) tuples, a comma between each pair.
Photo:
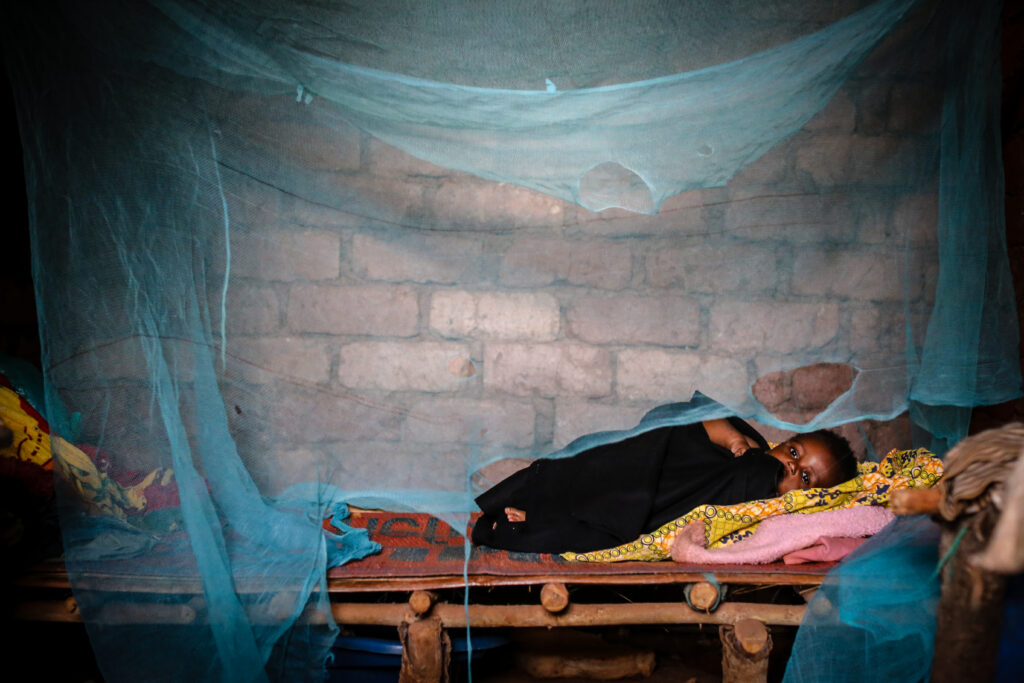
[(421, 551)]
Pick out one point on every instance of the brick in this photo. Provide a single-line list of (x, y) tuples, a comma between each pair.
[(872, 214), (871, 275), (714, 268), (548, 369), (358, 309), (250, 309), (873, 108), (774, 166), (377, 202), (838, 116), (664, 376), (286, 255), (768, 326), (386, 160), (412, 258), (301, 415), (277, 127), (916, 218), (252, 203), (575, 418), (401, 366), (491, 474), (890, 434), (127, 426), (773, 390), (493, 315), (126, 359), (268, 359), (539, 262), (465, 201), (842, 160), (627, 319), (383, 465), (877, 330), (802, 218), (290, 464), (914, 108), (816, 386), (681, 214), (468, 421)]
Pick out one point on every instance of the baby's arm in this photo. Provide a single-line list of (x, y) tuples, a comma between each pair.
[(722, 433)]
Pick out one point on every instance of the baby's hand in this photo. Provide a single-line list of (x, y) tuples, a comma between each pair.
[(741, 444)]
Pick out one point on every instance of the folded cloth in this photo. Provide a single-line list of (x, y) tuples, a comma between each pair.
[(825, 549), (780, 535)]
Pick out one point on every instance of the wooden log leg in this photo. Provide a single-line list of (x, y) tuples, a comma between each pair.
[(969, 616), (703, 596), (426, 651), (745, 649), (554, 597)]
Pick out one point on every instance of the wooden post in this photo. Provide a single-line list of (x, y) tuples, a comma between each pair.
[(702, 596), (554, 597), (970, 612), (579, 615), (745, 649), (421, 602), (426, 651)]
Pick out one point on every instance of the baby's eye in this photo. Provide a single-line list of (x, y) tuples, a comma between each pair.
[(806, 478), (793, 453)]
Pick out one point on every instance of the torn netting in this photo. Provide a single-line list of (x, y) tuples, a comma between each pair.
[(288, 255)]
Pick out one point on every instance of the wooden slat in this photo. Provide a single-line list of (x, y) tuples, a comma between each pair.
[(178, 586), (577, 615), (399, 583)]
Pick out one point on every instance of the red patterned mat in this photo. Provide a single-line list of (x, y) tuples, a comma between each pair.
[(418, 545)]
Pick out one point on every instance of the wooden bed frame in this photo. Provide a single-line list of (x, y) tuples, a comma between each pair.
[(422, 618), (422, 606)]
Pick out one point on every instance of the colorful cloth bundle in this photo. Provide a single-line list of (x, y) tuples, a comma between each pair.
[(727, 524), (34, 455)]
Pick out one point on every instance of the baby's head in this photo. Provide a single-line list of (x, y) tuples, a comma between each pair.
[(812, 460)]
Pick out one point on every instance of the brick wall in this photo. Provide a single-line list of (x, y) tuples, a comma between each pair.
[(479, 318), (550, 324)]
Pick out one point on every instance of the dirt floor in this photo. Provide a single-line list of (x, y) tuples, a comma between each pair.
[(683, 654)]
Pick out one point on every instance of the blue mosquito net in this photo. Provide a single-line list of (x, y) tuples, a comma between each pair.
[(294, 255)]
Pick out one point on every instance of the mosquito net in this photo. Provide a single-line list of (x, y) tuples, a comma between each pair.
[(295, 254)]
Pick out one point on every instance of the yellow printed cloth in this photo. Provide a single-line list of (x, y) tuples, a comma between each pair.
[(31, 438), (95, 488), (98, 490), (727, 524)]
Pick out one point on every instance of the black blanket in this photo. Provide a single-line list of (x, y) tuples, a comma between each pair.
[(611, 494)]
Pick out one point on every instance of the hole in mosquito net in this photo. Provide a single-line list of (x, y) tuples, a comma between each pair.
[(705, 150), (610, 185), (798, 395)]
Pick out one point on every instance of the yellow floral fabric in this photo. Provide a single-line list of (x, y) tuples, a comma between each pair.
[(31, 440), (96, 489), (727, 524)]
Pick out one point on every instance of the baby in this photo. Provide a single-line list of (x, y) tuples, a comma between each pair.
[(819, 459)]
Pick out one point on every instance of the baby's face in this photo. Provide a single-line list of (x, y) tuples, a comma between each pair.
[(807, 463)]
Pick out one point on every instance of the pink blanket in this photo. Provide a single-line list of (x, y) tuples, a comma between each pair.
[(784, 534)]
